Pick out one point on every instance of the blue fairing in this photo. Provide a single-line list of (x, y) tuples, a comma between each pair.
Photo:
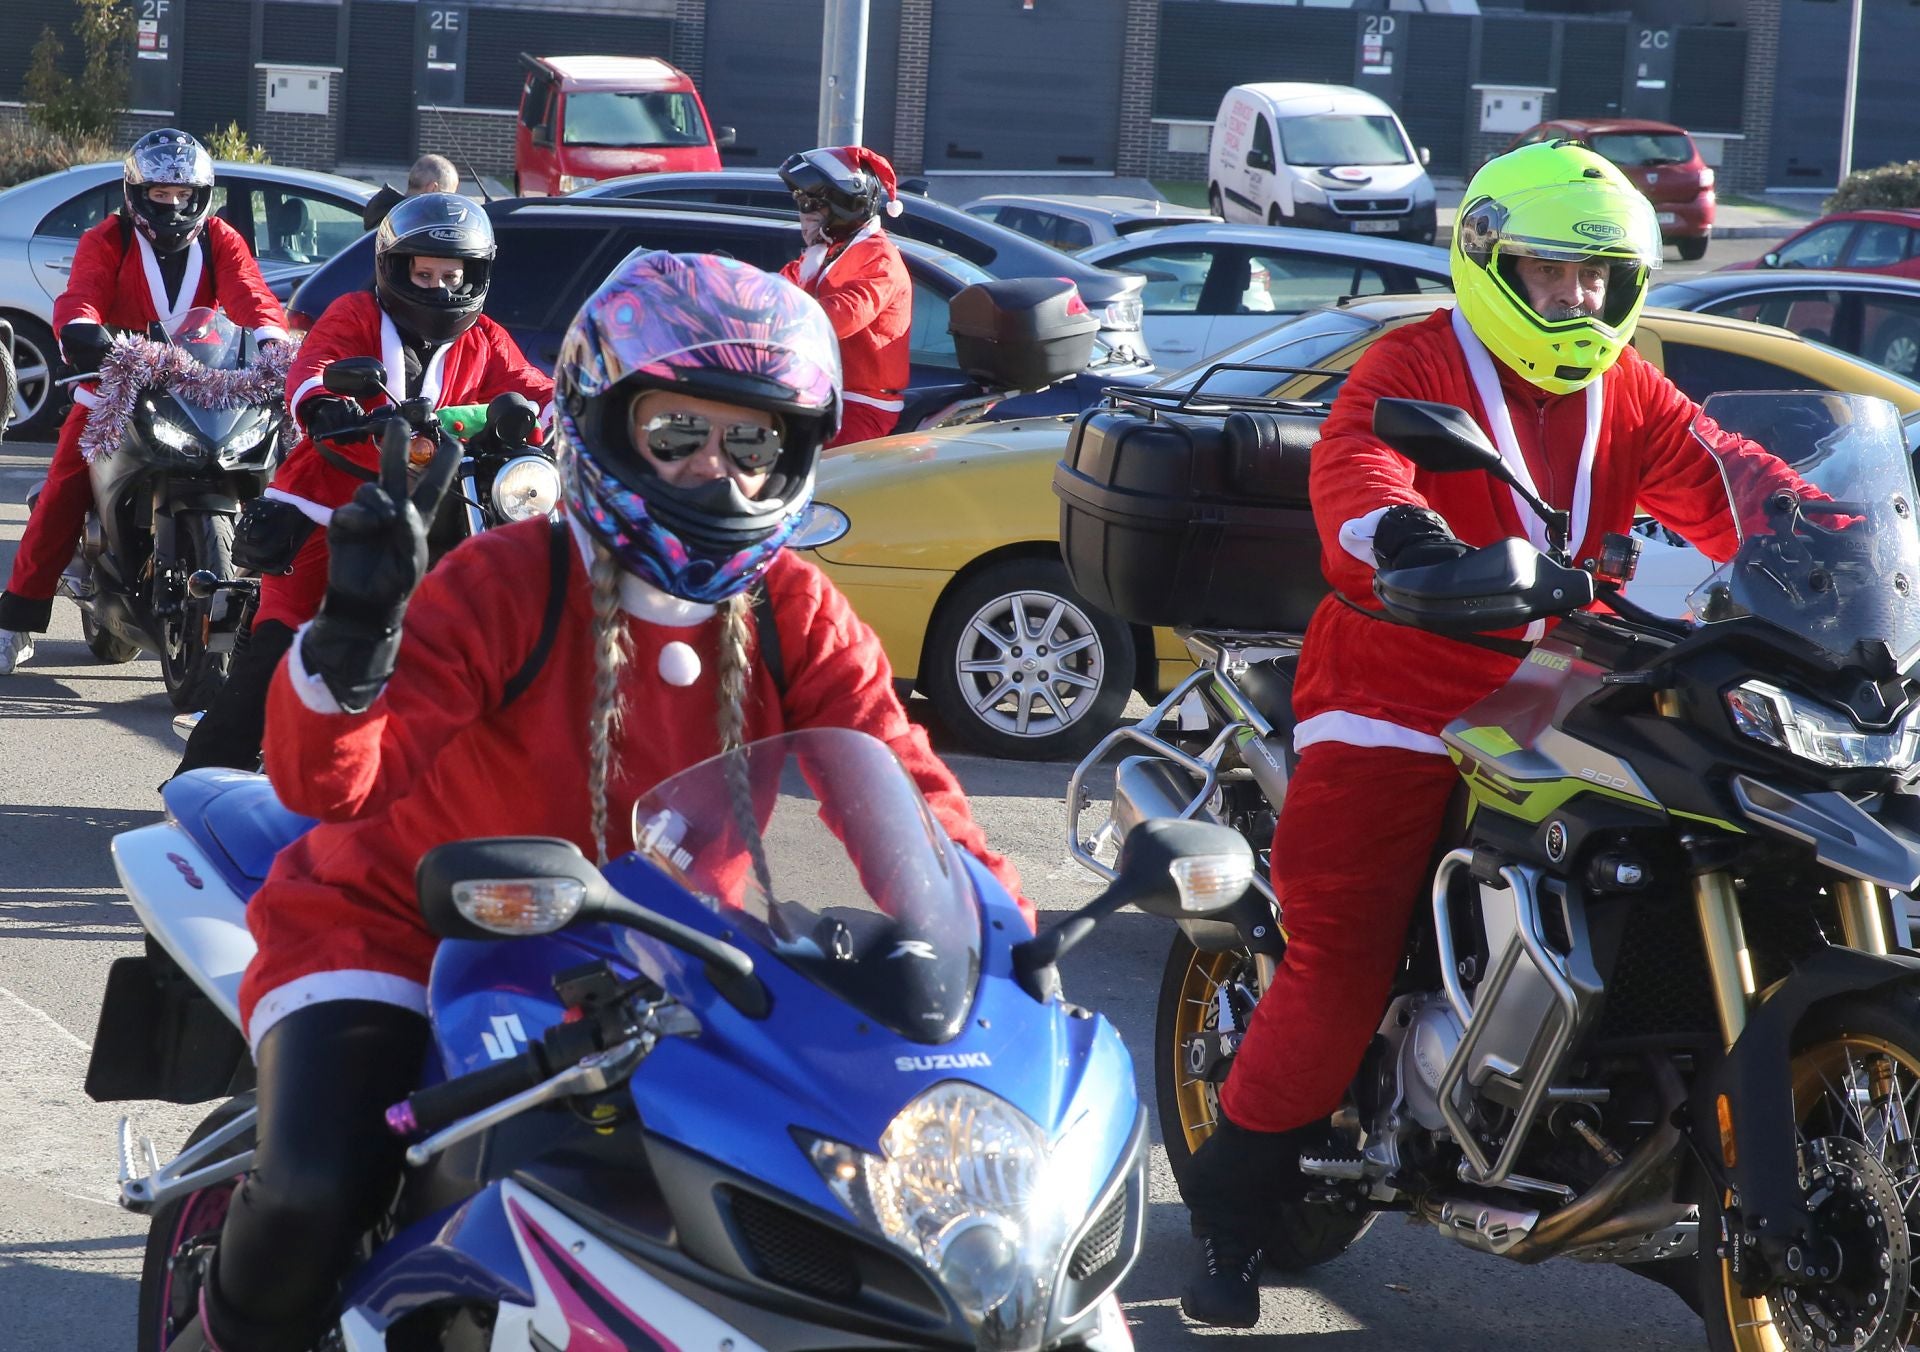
[(235, 820), (814, 1062)]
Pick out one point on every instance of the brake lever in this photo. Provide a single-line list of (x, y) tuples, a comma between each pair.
[(589, 1075)]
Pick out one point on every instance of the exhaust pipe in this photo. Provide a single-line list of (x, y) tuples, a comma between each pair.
[(1145, 787)]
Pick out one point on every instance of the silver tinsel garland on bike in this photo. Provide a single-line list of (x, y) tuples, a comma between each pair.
[(138, 364)]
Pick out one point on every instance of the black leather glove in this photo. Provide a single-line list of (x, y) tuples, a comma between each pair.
[(1413, 537), (85, 346), (377, 545), (325, 414)]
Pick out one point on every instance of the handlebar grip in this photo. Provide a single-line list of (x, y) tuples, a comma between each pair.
[(441, 1106)]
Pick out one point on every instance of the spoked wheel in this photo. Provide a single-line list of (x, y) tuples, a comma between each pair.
[(1856, 1093), (1187, 1092), (180, 1237)]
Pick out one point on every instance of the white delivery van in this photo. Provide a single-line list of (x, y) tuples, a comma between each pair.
[(1326, 156)]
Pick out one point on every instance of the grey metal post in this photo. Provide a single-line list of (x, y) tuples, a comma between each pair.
[(1853, 92), (843, 73)]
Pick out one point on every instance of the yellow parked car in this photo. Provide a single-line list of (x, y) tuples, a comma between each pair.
[(952, 551)]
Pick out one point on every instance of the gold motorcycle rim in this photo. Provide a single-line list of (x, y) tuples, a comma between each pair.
[(1199, 1013), (1816, 1072)]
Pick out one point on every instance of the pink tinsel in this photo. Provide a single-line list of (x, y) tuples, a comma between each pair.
[(138, 364)]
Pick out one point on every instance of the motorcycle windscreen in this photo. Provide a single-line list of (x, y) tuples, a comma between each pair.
[(1829, 544), (818, 847), (215, 342)]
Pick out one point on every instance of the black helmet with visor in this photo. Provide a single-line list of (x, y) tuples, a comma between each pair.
[(167, 159), (433, 225)]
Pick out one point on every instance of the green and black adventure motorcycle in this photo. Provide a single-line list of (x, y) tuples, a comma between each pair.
[(1653, 1015)]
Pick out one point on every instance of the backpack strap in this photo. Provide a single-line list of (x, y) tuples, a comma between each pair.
[(769, 635), (559, 569)]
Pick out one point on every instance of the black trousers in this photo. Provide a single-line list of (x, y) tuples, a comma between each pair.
[(325, 1167), (229, 733)]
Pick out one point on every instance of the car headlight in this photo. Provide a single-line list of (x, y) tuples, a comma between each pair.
[(573, 182), (175, 437), (1814, 732), (966, 1183), (1305, 191), (527, 485)]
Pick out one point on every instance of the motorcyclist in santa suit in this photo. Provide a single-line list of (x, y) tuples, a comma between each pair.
[(160, 255), (424, 320), (694, 395), (856, 273), (1550, 259)]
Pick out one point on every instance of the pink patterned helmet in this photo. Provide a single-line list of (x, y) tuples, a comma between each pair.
[(714, 328)]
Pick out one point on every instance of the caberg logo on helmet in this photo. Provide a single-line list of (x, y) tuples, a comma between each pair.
[(1601, 232)]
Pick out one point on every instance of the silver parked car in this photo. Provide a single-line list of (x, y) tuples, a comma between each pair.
[(293, 219), (1073, 223), (1212, 286)]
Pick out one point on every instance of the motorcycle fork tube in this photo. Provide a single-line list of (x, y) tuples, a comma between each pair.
[(469, 489), (1729, 966), (1862, 905)]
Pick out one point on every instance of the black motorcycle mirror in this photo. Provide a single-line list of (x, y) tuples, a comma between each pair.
[(1167, 867), (511, 418), (1445, 440), (355, 377), (506, 887)]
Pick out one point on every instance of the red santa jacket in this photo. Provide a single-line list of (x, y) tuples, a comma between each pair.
[(1371, 683), (479, 364), (427, 763), (116, 281), (868, 296)]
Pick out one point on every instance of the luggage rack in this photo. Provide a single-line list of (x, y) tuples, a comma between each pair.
[(1153, 402)]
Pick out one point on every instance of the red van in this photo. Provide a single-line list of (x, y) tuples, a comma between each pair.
[(585, 118), (1660, 159)]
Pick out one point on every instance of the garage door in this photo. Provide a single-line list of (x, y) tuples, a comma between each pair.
[(762, 76), (1035, 89), (216, 74), (377, 116)]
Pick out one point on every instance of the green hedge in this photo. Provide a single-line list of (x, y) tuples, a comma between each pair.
[(1890, 185), (28, 152)]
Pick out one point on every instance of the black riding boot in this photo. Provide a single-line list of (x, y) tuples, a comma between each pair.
[(1235, 1179), (228, 733)]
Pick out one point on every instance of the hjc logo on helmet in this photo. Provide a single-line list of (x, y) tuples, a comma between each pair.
[(447, 234), (1601, 232)]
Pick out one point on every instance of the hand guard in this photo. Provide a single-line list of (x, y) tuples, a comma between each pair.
[(378, 553)]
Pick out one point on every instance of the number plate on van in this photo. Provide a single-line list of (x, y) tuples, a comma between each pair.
[(1375, 227)]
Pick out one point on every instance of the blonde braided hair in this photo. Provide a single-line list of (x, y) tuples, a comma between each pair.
[(736, 625), (610, 653)]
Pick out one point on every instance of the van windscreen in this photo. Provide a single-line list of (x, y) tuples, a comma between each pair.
[(1327, 140), (653, 118)]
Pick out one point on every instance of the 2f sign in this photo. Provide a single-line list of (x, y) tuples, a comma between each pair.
[(439, 20), (155, 9)]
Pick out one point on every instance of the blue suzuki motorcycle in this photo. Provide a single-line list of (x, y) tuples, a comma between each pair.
[(791, 1075)]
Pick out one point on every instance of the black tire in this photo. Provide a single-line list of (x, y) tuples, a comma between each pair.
[(1897, 347), (1887, 1020), (1273, 214), (1215, 203), (38, 404), (974, 624), (1692, 250), (192, 674), (165, 1232), (104, 646), (1304, 1234)]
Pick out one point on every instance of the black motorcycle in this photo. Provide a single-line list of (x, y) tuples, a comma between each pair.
[(199, 416)]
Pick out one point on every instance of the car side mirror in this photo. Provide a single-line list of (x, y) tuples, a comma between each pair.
[(506, 887), (1771, 258), (355, 377), (1426, 157), (724, 137)]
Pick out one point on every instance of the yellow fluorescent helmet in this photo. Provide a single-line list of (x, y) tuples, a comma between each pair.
[(1559, 202)]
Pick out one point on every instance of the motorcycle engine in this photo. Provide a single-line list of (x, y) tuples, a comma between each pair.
[(1428, 1038)]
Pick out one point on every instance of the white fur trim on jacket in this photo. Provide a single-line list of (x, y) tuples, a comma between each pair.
[(157, 285), (1337, 725), (320, 987), (312, 511), (1356, 536)]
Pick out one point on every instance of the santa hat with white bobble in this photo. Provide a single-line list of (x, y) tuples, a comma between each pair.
[(841, 162)]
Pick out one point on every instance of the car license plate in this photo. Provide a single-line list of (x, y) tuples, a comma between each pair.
[(1375, 227), (1669, 218)]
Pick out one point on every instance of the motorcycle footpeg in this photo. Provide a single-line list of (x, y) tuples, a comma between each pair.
[(1338, 1164)]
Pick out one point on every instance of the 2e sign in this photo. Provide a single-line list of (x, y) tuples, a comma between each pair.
[(438, 20)]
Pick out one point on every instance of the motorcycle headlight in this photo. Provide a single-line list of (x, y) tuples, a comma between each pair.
[(175, 437), (967, 1184), (527, 485), (244, 440), (1814, 732)]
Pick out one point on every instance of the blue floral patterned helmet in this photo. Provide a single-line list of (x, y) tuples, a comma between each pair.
[(713, 328)]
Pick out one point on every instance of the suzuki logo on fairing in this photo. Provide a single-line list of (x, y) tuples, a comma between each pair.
[(186, 871), (913, 948), (506, 1039), (945, 1061)]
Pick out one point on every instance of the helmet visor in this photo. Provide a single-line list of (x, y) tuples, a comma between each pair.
[(1564, 223)]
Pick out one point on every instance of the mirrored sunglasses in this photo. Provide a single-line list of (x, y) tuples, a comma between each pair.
[(675, 436)]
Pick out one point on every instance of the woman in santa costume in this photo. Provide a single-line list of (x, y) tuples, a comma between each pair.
[(694, 396), (423, 320), (856, 274), (162, 254)]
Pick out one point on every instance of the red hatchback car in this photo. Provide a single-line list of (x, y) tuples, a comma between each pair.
[(1659, 158), (1872, 240)]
